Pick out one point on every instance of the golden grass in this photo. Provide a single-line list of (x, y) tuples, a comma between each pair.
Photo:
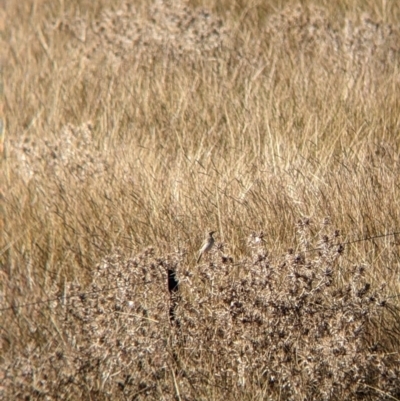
[(132, 125)]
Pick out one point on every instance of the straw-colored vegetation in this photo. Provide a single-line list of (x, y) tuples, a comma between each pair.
[(132, 129)]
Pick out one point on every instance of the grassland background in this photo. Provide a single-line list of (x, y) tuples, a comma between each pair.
[(136, 125)]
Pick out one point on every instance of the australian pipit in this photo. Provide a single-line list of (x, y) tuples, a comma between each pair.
[(207, 245)]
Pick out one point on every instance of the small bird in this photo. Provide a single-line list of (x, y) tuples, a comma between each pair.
[(207, 245)]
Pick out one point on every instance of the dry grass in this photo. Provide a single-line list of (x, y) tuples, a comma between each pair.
[(136, 125)]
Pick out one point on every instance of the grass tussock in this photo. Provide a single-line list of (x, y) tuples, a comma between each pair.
[(130, 129)]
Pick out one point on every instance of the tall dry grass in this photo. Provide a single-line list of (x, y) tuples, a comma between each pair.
[(132, 125)]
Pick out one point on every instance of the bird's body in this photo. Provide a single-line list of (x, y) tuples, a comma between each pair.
[(207, 245)]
